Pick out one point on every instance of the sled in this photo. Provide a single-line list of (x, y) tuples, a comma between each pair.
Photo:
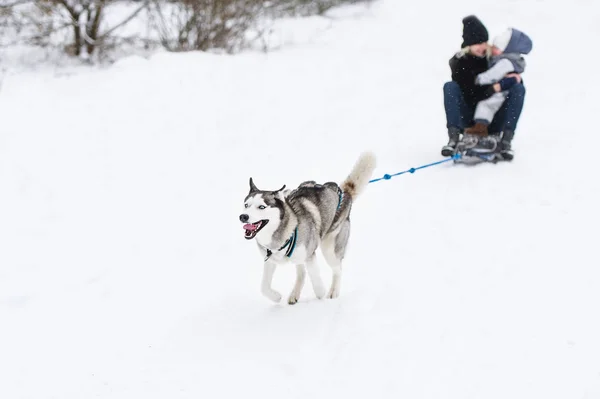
[(474, 149)]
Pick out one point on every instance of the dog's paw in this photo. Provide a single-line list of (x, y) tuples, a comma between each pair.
[(272, 295), (334, 292), (293, 299), (320, 293)]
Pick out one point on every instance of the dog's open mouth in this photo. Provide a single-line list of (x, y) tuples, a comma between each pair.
[(252, 229)]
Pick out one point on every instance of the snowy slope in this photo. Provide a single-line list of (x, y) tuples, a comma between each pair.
[(123, 268)]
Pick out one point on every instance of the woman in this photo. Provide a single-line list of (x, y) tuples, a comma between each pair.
[(461, 95)]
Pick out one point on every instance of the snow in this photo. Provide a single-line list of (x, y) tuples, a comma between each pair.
[(124, 272)]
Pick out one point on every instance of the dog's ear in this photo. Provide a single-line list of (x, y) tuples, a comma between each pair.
[(281, 189), (281, 194), (253, 188)]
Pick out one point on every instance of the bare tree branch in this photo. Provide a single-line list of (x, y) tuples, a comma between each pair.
[(126, 20)]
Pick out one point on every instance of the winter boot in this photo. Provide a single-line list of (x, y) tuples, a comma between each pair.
[(506, 151), (454, 136), (478, 129)]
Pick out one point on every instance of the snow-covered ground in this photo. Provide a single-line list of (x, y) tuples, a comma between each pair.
[(123, 268)]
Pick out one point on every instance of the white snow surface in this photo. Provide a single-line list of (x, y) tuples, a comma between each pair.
[(124, 272)]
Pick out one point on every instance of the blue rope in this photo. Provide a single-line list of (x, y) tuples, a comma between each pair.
[(413, 170)]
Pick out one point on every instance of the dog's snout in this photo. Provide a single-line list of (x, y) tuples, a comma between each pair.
[(244, 218)]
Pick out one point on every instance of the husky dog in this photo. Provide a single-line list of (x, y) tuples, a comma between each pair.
[(289, 226)]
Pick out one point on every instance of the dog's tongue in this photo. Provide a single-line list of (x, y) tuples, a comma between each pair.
[(250, 227)]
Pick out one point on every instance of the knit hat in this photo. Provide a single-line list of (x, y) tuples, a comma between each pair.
[(474, 32), (501, 41)]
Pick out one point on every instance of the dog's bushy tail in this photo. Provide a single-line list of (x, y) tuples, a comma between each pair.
[(358, 179)]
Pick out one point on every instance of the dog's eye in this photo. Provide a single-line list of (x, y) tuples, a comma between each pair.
[(262, 207), (245, 205)]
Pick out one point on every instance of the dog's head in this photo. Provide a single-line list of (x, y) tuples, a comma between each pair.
[(261, 209)]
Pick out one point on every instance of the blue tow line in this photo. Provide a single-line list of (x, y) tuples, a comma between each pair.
[(413, 170)]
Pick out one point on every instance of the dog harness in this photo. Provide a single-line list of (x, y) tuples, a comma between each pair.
[(290, 244), (341, 195)]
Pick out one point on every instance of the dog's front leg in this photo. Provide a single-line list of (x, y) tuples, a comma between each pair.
[(315, 277), (268, 271), (300, 277)]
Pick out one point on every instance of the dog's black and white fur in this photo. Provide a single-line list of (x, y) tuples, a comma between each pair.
[(289, 226)]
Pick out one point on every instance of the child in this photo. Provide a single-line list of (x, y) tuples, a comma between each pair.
[(506, 58)]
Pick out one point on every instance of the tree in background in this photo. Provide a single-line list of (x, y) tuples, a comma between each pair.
[(89, 28), (187, 25), (75, 25)]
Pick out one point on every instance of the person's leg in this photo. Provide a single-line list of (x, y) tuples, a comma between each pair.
[(487, 109), (507, 118), (515, 100), (458, 115), (508, 115), (497, 124)]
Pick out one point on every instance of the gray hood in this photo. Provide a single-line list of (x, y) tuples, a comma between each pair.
[(519, 43)]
